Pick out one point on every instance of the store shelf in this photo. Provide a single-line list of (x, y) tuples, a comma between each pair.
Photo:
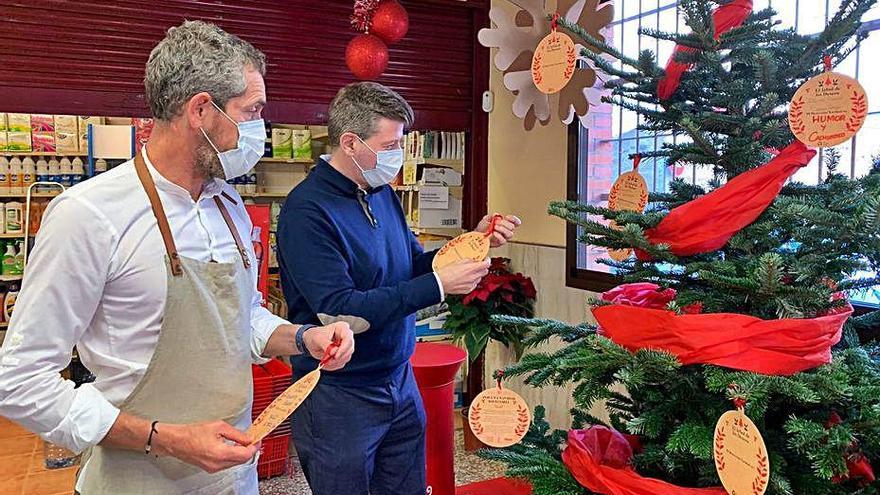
[(36, 153), (34, 195), (10, 278), (298, 161)]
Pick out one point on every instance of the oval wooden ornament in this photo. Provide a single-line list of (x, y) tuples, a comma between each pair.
[(828, 110), (283, 406), (554, 62), (472, 246), (499, 417), (741, 455), (629, 192)]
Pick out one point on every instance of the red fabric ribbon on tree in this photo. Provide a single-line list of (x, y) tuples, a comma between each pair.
[(725, 18), (742, 342), (707, 223), (599, 458)]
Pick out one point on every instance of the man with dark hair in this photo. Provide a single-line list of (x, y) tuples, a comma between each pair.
[(347, 254)]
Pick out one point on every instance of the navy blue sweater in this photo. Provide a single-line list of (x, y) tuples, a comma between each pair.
[(346, 252)]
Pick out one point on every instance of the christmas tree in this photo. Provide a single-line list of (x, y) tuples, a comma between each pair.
[(792, 257)]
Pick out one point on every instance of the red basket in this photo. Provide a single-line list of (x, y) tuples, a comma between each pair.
[(273, 459), (270, 380)]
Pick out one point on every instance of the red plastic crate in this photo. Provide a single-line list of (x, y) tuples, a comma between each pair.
[(274, 460), (270, 380)]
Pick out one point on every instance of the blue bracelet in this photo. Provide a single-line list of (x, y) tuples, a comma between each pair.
[(300, 338)]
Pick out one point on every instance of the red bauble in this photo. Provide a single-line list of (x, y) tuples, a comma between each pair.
[(390, 21), (366, 56)]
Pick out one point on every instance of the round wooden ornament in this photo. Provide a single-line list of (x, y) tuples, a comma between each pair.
[(473, 246), (828, 109), (554, 61), (630, 193), (741, 455), (499, 417)]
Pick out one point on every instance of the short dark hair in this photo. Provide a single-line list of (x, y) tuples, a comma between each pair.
[(358, 106)]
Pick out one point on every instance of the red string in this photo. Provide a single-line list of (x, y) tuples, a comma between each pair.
[(492, 223), (636, 160), (500, 375), (827, 60), (327, 353), (739, 402), (554, 22)]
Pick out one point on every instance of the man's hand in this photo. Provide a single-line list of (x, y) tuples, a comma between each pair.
[(204, 445), (504, 228), (462, 277), (318, 339)]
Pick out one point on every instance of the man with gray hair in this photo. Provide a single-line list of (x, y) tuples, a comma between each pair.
[(347, 254), (149, 271)]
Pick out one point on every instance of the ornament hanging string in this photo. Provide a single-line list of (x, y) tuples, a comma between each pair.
[(827, 61), (637, 159), (492, 223), (499, 374), (327, 353), (554, 22)]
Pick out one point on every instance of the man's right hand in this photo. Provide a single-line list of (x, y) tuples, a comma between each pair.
[(462, 277), (204, 445)]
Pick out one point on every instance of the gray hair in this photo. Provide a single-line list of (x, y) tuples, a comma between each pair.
[(358, 106), (195, 57)]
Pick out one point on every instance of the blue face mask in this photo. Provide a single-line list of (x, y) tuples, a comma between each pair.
[(251, 145), (388, 165)]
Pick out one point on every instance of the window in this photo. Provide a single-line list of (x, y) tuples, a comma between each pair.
[(599, 153)]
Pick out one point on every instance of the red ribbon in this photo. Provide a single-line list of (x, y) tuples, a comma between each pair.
[(636, 160), (827, 61), (554, 22), (725, 18), (492, 223), (327, 353), (499, 374), (707, 223), (736, 341), (599, 459)]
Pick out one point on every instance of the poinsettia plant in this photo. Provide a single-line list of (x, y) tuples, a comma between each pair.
[(501, 292)]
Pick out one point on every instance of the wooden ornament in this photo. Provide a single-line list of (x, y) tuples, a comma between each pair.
[(630, 193), (283, 406), (472, 246), (499, 417), (554, 62), (741, 455), (828, 109)]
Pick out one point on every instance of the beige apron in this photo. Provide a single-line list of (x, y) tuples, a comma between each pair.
[(200, 371)]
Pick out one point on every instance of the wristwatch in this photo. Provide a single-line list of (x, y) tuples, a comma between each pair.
[(300, 336)]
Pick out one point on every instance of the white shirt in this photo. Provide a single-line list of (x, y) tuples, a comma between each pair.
[(96, 279)]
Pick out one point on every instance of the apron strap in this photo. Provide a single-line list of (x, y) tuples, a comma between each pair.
[(150, 187), (233, 230)]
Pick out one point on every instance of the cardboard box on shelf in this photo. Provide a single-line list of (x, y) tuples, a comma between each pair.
[(18, 122), (42, 123), (433, 174), (282, 142), (446, 218), (3, 141), (83, 127), (18, 141), (67, 142), (301, 144), (66, 124), (43, 142), (4, 126)]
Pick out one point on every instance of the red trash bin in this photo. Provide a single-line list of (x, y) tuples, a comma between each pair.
[(435, 366)]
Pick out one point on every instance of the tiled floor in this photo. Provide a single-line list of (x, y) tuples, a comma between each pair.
[(22, 471)]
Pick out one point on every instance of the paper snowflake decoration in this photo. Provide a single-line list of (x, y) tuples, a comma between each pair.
[(516, 37)]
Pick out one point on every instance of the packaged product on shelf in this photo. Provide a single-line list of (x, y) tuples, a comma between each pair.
[(83, 126), (78, 171), (7, 265), (15, 170), (9, 301), (4, 176), (28, 173), (100, 166), (42, 123), (55, 170), (251, 182), (142, 130), (66, 124), (302, 144), (66, 172), (4, 141), (42, 173), (18, 122), (18, 141), (282, 142), (67, 142), (4, 124), (19, 258), (13, 215), (43, 142), (267, 149)]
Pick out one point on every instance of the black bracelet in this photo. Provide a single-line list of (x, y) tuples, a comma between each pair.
[(300, 338), (149, 446)]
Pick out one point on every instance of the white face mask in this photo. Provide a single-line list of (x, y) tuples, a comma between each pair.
[(388, 165), (251, 145)]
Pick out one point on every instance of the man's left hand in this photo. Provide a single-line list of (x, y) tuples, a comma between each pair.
[(318, 339), (504, 228)]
